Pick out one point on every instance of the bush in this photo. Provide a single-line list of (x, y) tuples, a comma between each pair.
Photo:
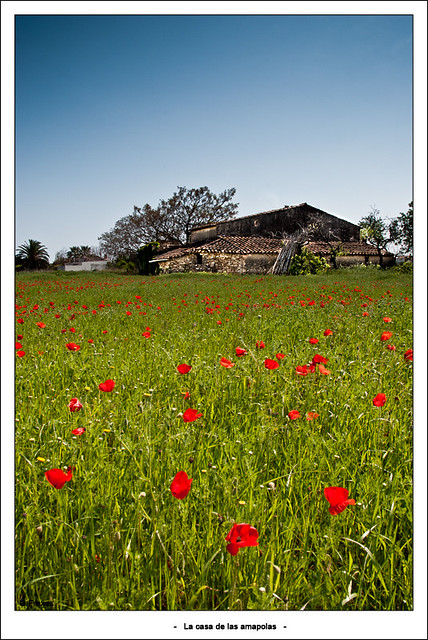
[(307, 262), (405, 267)]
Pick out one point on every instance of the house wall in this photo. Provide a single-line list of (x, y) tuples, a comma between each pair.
[(349, 261), (87, 266), (220, 263), (280, 223)]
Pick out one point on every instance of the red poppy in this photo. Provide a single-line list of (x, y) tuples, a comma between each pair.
[(328, 332), (241, 535), (303, 370), (75, 405), (108, 385), (280, 356), (313, 340), (180, 486), (379, 400), (386, 319), (227, 363), (183, 368), (260, 344), (146, 334), (20, 354), (391, 347), (240, 352), (365, 313), (41, 325), (311, 415), (317, 359), (323, 370), (18, 345), (409, 355), (78, 431), (57, 478), (271, 364), (386, 335), (338, 499), (186, 395), (190, 415), (71, 346), (294, 414)]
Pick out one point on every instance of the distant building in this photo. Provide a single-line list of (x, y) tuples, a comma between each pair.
[(89, 263)]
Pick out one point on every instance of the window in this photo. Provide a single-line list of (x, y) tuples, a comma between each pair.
[(198, 258)]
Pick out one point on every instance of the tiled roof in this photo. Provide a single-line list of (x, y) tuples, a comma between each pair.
[(242, 245), (346, 248), (173, 253)]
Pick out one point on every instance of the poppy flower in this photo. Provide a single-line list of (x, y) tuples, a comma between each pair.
[(379, 400), (338, 499), (311, 415), (317, 359), (71, 346), (391, 347), (365, 313), (108, 385), (240, 352), (241, 535), (386, 319), (409, 355), (260, 344), (313, 340), (294, 414), (304, 370), (323, 370), (280, 356), (190, 415), (271, 364), (146, 334), (78, 431), (328, 332), (57, 478), (227, 363), (183, 368), (386, 335), (41, 325), (20, 353), (18, 345), (75, 405), (186, 395), (180, 486)]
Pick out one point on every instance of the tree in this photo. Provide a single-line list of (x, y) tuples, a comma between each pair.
[(401, 230), (74, 254), (85, 251), (33, 255), (170, 221), (376, 232)]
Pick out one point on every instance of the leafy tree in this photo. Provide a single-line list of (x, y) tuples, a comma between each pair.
[(401, 230), (74, 254), (33, 255), (376, 232), (85, 251), (144, 255), (170, 221), (306, 262)]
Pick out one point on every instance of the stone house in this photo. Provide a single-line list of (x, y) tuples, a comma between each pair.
[(353, 253)]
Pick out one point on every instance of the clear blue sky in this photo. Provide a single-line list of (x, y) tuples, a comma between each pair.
[(114, 111)]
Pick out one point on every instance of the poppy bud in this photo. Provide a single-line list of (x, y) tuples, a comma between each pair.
[(191, 459), (39, 530)]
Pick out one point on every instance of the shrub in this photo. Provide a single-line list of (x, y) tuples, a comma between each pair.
[(307, 262)]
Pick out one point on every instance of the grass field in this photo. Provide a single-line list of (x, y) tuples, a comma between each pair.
[(270, 431)]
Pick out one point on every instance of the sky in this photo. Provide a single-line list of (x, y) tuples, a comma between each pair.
[(113, 111)]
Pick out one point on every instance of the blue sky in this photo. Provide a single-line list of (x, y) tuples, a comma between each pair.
[(114, 111)]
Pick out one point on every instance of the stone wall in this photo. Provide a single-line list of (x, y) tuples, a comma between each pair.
[(219, 263)]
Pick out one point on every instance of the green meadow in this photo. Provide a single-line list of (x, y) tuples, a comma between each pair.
[(115, 537)]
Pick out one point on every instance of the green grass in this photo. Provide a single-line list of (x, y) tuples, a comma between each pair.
[(114, 538)]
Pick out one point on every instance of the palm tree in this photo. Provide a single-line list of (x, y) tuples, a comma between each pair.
[(33, 255), (74, 254), (85, 251)]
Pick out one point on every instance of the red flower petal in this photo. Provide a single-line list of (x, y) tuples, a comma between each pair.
[(183, 368), (190, 415), (271, 364), (181, 484), (108, 385), (338, 499), (57, 478), (379, 400)]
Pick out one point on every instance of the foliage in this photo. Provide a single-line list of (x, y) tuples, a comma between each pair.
[(404, 267), (116, 538), (144, 255), (375, 231), (170, 221), (401, 230), (306, 262), (32, 255)]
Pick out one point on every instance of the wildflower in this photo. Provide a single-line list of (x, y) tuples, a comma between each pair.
[(71, 346), (365, 313), (328, 332), (78, 431), (409, 355), (386, 335), (180, 486), (227, 363), (183, 368), (186, 395), (379, 400), (75, 405), (294, 414), (317, 359), (323, 370), (386, 319), (41, 325), (240, 352), (108, 385), (391, 347), (260, 344), (145, 334), (41, 459), (313, 340), (57, 478), (338, 499), (241, 535), (302, 370), (20, 353), (280, 356), (311, 415), (190, 415), (271, 364)]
